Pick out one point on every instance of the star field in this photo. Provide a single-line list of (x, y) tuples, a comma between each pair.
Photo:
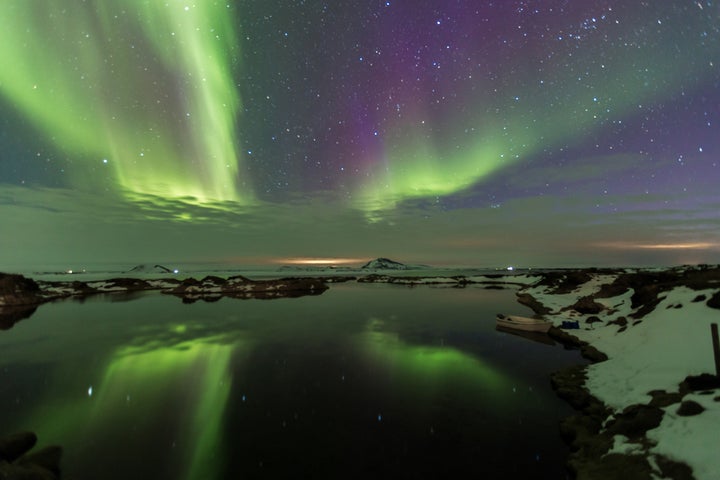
[(596, 119)]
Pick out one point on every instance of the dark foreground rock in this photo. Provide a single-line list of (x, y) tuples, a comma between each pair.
[(18, 290), (532, 303), (571, 341), (590, 433), (19, 462), (648, 287)]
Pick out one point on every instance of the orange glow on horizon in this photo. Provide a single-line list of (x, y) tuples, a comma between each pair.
[(661, 246), (319, 261)]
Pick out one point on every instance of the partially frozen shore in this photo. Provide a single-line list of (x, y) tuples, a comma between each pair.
[(650, 405)]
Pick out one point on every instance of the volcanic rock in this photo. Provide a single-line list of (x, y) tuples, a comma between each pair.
[(18, 290), (688, 408), (714, 301), (530, 302), (587, 306), (565, 281), (661, 398), (635, 421), (696, 383), (212, 288)]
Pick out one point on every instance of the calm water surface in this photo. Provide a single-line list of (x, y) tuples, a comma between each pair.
[(364, 381)]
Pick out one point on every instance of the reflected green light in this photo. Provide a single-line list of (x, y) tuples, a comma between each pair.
[(199, 372), (429, 366), (181, 390), (141, 89)]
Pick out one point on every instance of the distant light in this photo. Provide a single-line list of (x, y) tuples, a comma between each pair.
[(69, 271), (90, 391), (176, 271), (318, 261), (511, 268)]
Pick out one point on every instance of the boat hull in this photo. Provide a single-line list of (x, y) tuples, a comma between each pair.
[(523, 323)]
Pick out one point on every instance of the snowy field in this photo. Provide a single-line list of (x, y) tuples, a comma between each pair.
[(654, 352)]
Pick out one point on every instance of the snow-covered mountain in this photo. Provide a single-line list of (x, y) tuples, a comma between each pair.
[(385, 264), (145, 268)]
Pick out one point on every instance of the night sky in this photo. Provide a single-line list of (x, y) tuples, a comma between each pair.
[(527, 133)]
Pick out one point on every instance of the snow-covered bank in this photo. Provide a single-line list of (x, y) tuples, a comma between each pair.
[(655, 329)]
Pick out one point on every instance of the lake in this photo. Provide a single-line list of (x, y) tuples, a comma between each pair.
[(364, 381)]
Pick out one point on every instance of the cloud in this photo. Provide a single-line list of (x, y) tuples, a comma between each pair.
[(60, 226)]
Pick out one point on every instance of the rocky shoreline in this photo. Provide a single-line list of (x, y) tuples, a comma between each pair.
[(19, 291), (20, 296), (593, 431), (590, 432)]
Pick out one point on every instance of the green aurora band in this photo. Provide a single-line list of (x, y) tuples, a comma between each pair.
[(147, 87), (144, 88), (513, 123)]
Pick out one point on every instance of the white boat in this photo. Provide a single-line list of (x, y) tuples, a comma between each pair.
[(527, 324)]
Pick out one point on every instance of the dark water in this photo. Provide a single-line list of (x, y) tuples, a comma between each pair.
[(364, 381)]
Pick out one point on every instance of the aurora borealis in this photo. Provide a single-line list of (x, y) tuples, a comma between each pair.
[(539, 133), (148, 94)]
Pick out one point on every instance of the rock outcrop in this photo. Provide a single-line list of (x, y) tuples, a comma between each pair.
[(19, 296), (594, 432), (213, 288), (649, 286), (18, 290), (17, 461)]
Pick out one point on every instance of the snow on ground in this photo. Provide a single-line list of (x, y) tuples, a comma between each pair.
[(694, 440), (656, 353)]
